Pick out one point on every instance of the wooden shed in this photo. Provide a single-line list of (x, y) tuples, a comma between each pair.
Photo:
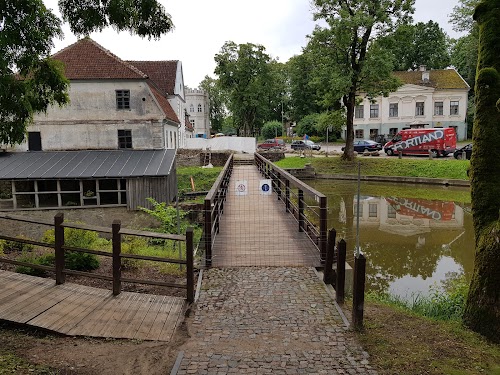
[(71, 179)]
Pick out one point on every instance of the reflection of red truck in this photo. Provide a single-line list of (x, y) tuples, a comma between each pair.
[(421, 208), (439, 141)]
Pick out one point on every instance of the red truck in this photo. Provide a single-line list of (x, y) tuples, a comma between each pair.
[(438, 141)]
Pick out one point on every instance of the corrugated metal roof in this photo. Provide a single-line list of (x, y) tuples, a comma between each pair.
[(86, 164)]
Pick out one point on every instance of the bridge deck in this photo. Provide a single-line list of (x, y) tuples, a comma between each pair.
[(78, 310), (255, 229)]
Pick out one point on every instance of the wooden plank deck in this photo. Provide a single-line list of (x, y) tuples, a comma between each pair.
[(255, 229), (78, 310)]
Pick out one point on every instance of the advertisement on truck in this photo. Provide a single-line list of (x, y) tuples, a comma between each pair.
[(438, 141)]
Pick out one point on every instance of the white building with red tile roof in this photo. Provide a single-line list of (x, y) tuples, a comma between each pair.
[(114, 104)]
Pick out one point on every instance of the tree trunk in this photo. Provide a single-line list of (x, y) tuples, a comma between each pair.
[(349, 102), (482, 312)]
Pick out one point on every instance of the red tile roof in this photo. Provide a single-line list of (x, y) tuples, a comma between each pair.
[(86, 59), (162, 73), (441, 79), (164, 104)]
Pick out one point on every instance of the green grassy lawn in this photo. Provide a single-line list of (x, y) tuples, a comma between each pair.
[(203, 178), (373, 166)]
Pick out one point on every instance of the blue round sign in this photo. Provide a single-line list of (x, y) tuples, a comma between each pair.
[(265, 187)]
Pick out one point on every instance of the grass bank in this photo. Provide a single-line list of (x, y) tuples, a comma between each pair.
[(373, 166), (402, 343)]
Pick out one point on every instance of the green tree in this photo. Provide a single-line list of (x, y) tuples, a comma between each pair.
[(346, 61), (482, 312), (304, 98), (419, 44), (308, 125), (245, 74), (30, 80), (217, 99), (272, 129)]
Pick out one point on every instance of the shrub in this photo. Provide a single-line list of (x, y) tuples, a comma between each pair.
[(134, 246), (78, 238), (11, 246), (44, 260), (272, 129)]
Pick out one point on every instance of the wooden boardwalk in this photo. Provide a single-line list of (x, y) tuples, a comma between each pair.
[(78, 310), (255, 229)]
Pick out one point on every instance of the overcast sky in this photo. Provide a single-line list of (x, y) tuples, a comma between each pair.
[(202, 27)]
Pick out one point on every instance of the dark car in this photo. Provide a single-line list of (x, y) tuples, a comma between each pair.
[(459, 153), (274, 144), (366, 145), (305, 145)]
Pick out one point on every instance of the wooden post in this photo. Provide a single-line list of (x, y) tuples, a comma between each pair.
[(328, 273), (59, 251), (189, 265), (117, 262), (340, 281), (301, 210), (287, 194), (323, 224), (358, 297), (208, 233)]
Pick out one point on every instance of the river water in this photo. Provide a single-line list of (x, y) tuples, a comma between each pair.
[(414, 237)]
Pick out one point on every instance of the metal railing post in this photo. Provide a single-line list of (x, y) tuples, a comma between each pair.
[(59, 251), (328, 272), (287, 195), (358, 296), (301, 210), (208, 232), (117, 262), (189, 265), (323, 220), (340, 282)]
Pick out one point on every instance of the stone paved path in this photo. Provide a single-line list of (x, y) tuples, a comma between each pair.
[(268, 321)]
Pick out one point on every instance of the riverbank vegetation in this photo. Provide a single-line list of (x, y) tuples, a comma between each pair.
[(373, 166)]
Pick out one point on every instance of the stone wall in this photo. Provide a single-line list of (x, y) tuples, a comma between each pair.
[(196, 158)]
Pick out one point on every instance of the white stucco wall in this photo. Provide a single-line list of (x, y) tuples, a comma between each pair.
[(407, 96), (194, 98), (238, 144), (92, 121)]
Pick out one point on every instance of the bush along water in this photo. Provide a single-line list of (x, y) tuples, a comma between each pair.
[(445, 303)]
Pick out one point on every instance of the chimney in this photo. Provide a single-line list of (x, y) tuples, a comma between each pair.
[(425, 74)]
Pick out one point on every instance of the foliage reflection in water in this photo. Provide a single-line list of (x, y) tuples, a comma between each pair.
[(414, 237)]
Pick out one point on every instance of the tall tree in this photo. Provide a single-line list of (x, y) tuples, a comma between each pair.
[(419, 44), (482, 312), (346, 59), (30, 80), (217, 102), (245, 74)]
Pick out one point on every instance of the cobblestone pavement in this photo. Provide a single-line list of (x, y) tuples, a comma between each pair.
[(268, 321)]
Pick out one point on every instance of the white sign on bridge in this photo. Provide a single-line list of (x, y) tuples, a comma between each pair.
[(241, 187)]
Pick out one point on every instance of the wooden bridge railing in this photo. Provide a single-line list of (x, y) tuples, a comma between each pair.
[(214, 207), (307, 205), (116, 231)]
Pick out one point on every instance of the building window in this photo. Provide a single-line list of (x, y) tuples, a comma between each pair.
[(123, 99), (359, 133), (34, 141), (124, 138), (191, 108), (438, 108), (391, 212), (453, 108), (419, 109), (393, 110), (200, 109), (192, 123), (360, 210), (373, 110), (372, 210), (373, 133), (393, 131), (359, 111)]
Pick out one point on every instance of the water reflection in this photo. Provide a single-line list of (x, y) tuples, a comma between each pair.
[(410, 243)]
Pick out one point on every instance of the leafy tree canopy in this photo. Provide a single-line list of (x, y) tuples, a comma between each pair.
[(272, 129), (30, 80), (246, 74), (218, 100), (419, 44)]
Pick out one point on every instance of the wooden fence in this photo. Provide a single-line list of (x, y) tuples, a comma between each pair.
[(116, 232)]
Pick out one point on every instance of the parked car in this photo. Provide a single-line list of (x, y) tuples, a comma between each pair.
[(274, 144), (305, 145), (459, 153), (365, 144)]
